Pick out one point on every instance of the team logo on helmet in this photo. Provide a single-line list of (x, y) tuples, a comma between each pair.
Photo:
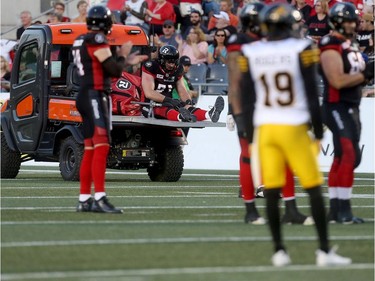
[(123, 84)]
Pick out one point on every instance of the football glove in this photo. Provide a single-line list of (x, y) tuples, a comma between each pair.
[(169, 102)]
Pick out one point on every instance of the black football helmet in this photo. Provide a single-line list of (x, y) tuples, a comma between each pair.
[(342, 12), (279, 20), (99, 18), (250, 17), (168, 53)]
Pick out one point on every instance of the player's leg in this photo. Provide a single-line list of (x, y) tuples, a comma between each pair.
[(292, 215), (272, 167), (351, 158), (100, 139), (83, 105), (246, 184)]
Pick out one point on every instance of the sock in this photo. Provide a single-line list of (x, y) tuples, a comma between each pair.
[(344, 192), (173, 115), (84, 197), (99, 195), (85, 175), (99, 165), (201, 114), (288, 190), (246, 180), (272, 208), (319, 215)]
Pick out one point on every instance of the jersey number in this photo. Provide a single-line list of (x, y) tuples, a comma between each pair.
[(356, 62), (283, 83), (77, 62)]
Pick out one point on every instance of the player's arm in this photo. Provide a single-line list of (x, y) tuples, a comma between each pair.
[(234, 75), (148, 86), (182, 91), (244, 120), (309, 59), (113, 68), (333, 68)]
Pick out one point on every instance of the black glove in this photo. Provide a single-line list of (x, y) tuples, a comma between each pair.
[(169, 102), (369, 71)]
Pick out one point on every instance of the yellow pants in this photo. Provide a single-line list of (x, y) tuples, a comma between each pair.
[(279, 145)]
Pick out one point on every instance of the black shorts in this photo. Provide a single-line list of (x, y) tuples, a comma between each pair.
[(94, 108)]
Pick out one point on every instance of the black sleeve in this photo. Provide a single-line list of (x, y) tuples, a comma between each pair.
[(308, 63), (141, 14), (113, 68), (248, 99)]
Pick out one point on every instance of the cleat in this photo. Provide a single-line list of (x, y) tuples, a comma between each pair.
[(280, 258), (254, 218), (215, 111), (297, 218), (85, 206), (331, 258), (332, 217), (186, 116), (103, 206), (351, 220)]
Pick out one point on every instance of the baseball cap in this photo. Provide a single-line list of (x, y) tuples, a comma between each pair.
[(222, 15), (168, 22), (185, 60)]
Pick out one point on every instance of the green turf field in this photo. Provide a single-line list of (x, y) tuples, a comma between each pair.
[(189, 230)]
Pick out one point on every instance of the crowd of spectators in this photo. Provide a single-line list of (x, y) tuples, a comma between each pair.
[(200, 29)]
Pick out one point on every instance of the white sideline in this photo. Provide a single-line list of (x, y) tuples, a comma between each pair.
[(176, 271)]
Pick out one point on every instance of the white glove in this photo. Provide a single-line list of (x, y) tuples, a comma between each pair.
[(231, 125)]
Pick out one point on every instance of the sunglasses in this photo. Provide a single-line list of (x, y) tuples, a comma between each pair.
[(167, 26), (220, 35)]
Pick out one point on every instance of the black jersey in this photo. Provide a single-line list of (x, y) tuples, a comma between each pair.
[(235, 41), (165, 82), (353, 63), (93, 76)]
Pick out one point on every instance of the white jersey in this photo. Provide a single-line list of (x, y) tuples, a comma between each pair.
[(275, 69)]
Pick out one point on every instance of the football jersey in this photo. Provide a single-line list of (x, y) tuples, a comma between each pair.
[(89, 67), (165, 82), (353, 63), (278, 82)]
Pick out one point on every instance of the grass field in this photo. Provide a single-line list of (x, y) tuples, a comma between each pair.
[(189, 230)]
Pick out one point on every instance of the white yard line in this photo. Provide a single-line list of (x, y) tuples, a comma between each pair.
[(177, 271), (171, 240)]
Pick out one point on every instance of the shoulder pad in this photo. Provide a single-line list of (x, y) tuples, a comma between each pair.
[(243, 64), (97, 39), (310, 55)]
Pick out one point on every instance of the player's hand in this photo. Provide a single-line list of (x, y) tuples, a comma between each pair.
[(169, 102), (125, 49), (231, 124), (134, 58)]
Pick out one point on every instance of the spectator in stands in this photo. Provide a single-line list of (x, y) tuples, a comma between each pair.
[(134, 14), (185, 61), (210, 7), (158, 12), (5, 74), (222, 22), (82, 11), (59, 8), (169, 36), (195, 46), (225, 6), (304, 9), (217, 51), (54, 18), (195, 20), (26, 19), (366, 30), (318, 25)]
